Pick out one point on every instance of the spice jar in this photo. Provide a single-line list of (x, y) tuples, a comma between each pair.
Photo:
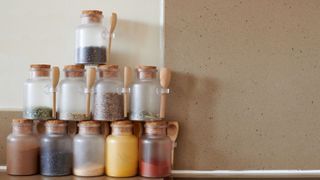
[(55, 150), (121, 150), (108, 97), (37, 96), (91, 39), (22, 149), (145, 95), (72, 97), (155, 151), (88, 150)]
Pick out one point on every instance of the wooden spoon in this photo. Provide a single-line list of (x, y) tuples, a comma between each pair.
[(91, 78), (165, 77), (55, 80), (172, 133), (127, 83), (113, 23)]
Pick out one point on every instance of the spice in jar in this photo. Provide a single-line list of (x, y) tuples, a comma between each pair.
[(91, 55), (108, 106), (40, 112)]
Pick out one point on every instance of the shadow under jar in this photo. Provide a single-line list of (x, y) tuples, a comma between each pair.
[(155, 151), (88, 150), (55, 150), (145, 95), (122, 150), (91, 39), (37, 96), (72, 96), (22, 149), (108, 97)]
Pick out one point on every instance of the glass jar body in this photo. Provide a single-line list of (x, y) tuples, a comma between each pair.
[(37, 98), (55, 155), (22, 154), (155, 156), (121, 155), (72, 99), (108, 99), (91, 41), (89, 151), (145, 100)]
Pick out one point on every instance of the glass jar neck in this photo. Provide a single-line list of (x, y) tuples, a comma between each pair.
[(39, 73), (91, 20), (156, 131), (89, 130), (121, 131), (146, 75), (56, 129), (74, 73), (22, 129)]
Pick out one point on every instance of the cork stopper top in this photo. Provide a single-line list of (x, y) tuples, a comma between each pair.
[(55, 122), (110, 67), (21, 121), (124, 123), (108, 70), (156, 124), (73, 67), (40, 66), (89, 123), (146, 68), (146, 72), (91, 13)]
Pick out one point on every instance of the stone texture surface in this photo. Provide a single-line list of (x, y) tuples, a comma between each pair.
[(245, 85)]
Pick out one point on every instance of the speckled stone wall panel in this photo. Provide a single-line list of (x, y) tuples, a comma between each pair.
[(246, 83)]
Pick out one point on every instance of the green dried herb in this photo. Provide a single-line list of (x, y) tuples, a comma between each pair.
[(40, 112)]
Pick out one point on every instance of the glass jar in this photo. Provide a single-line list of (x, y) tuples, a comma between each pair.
[(145, 95), (121, 150), (37, 96), (91, 39), (155, 151), (108, 97), (55, 150), (88, 150), (72, 94), (22, 149)]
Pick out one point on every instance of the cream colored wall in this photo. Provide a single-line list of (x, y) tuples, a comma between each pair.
[(42, 31), (246, 83)]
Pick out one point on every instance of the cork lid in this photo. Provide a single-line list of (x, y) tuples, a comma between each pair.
[(111, 67), (89, 123), (146, 68), (55, 122), (91, 13), (124, 123), (74, 67), (155, 124), (21, 121), (40, 66)]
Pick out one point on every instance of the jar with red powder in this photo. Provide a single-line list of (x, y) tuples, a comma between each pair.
[(155, 151)]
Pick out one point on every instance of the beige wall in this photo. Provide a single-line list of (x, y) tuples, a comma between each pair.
[(246, 83)]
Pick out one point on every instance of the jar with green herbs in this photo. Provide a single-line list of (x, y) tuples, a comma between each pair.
[(108, 97), (37, 93), (145, 95), (72, 94)]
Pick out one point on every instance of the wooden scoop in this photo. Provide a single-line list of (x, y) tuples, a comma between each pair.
[(91, 78), (55, 80), (113, 23), (172, 133), (127, 83), (165, 77)]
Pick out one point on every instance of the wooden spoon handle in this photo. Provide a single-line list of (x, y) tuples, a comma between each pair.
[(54, 104), (88, 105), (163, 103)]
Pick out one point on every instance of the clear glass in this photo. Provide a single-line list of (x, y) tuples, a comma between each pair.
[(22, 151), (91, 42), (108, 97), (72, 98), (121, 154), (37, 95), (145, 98), (56, 151), (89, 150), (155, 155)]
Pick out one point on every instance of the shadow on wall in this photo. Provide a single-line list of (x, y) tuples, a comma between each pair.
[(189, 94), (138, 35)]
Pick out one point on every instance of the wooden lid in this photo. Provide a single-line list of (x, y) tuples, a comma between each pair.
[(124, 123), (74, 67), (91, 13), (154, 124), (89, 123), (40, 66), (146, 68), (22, 121), (55, 122), (108, 67)]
